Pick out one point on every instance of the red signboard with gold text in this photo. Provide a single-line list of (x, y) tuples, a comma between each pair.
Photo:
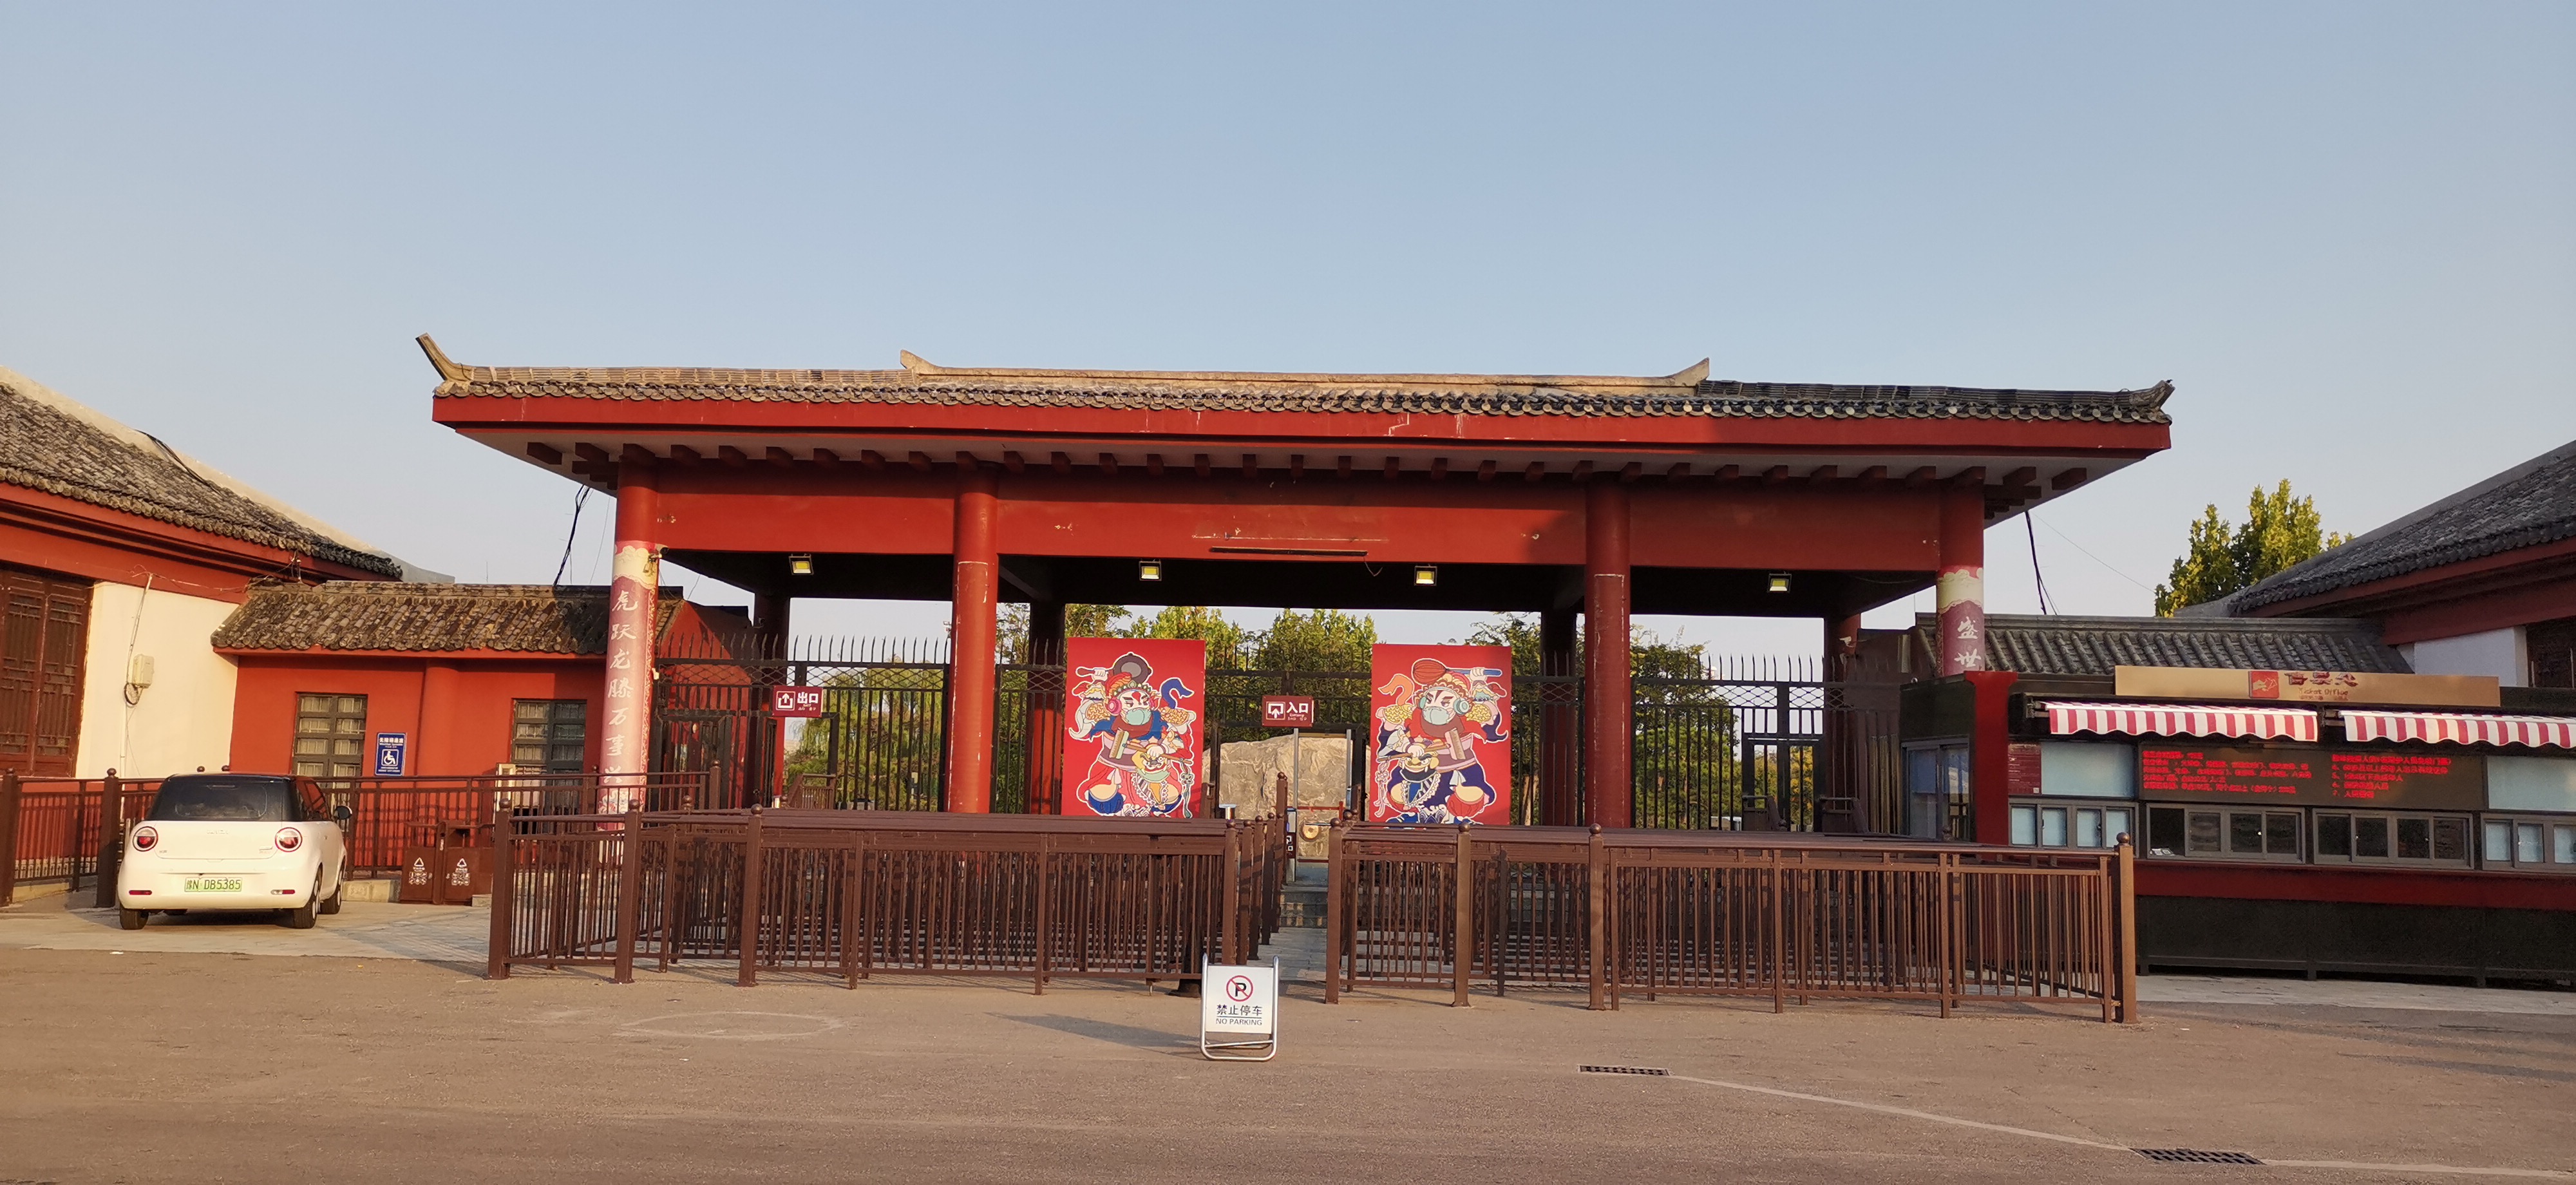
[(1132, 727)]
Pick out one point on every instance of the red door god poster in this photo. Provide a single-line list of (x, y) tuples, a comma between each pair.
[(1441, 728), (1132, 738)]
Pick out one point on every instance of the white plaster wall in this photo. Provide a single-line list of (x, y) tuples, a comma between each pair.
[(2504, 654), (185, 719)]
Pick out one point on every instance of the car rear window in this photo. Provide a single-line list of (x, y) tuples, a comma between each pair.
[(225, 800)]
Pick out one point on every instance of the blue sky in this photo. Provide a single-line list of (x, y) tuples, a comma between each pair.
[(2346, 231)]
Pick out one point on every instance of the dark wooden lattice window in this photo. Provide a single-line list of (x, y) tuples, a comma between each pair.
[(548, 734), (2553, 652), (41, 648), (330, 735)]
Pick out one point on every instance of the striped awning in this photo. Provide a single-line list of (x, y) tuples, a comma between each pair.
[(2554, 732), (2298, 724)]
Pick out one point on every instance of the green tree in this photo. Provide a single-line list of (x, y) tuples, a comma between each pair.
[(2220, 558), (1227, 643), (1683, 753), (1321, 640), (1095, 621)]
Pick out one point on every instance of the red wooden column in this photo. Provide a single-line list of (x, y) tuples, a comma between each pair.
[(970, 662), (626, 737), (1842, 647), (1045, 706), (1608, 797), (1961, 592), (1844, 748), (1560, 750), (769, 614)]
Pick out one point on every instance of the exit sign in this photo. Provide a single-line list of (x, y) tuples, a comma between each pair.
[(796, 701), (1288, 711)]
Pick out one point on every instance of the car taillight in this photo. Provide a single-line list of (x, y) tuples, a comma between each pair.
[(144, 838), (289, 839)]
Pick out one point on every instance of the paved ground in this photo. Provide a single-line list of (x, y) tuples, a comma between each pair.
[(180, 1061)]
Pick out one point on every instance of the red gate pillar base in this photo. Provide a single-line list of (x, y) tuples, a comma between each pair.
[(633, 592), (1609, 800), (972, 628), (1960, 598)]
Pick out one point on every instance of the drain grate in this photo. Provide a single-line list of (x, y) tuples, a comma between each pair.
[(2194, 1156), (1623, 1070)]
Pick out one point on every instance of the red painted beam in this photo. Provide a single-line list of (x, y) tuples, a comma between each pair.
[(1789, 527)]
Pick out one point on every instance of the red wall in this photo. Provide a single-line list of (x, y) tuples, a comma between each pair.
[(466, 729)]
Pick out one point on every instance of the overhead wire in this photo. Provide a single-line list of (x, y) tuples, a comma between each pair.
[(583, 495), (2035, 578)]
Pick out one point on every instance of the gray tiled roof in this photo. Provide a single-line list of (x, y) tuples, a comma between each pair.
[(48, 443), (2525, 506), (355, 615), (2096, 645), (1481, 395)]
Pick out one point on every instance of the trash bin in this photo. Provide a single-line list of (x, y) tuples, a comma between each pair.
[(418, 884), (463, 875)]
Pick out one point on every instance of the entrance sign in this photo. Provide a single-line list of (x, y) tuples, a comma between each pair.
[(1132, 736), (1288, 711), (1440, 727), (389, 753), (794, 702), (1239, 1010)]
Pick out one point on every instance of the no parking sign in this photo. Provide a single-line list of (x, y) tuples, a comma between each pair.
[(1239, 1010)]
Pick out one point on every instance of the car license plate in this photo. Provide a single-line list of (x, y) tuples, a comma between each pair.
[(211, 884)]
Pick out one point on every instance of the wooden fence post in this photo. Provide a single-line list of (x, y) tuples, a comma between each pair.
[(1950, 963), (747, 930), (1046, 911), (630, 890), (1779, 944), (1463, 890), (1231, 933), (1502, 914), (12, 800), (505, 878), (1598, 906), (1333, 907), (2128, 937), (111, 838)]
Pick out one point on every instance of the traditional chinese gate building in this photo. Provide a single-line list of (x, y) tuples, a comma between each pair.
[(1583, 499)]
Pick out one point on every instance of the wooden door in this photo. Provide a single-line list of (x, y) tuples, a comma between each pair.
[(41, 647)]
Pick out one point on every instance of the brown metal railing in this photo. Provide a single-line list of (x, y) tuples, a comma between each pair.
[(63, 829), (388, 815), (1788, 918), (857, 894), (59, 828)]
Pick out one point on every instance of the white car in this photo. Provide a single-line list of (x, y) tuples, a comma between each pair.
[(234, 842)]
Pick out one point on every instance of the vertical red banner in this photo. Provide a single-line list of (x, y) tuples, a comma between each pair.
[(1440, 728), (1132, 727)]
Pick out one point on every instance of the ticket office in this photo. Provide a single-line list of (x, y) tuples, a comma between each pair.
[(2422, 806)]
